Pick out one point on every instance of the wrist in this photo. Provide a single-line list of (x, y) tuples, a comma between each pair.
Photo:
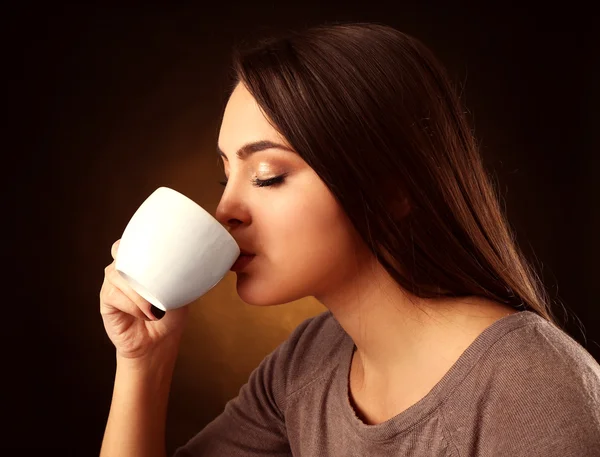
[(160, 358)]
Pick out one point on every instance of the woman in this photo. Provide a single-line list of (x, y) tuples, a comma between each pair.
[(353, 177)]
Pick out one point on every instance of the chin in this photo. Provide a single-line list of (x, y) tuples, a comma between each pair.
[(262, 293)]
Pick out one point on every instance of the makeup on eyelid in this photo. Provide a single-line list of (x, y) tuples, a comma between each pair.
[(265, 171)]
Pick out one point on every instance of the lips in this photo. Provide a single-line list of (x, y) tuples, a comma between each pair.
[(242, 261)]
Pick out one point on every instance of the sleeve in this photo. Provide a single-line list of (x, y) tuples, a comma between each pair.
[(252, 424)]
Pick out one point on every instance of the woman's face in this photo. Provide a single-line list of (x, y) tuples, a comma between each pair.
[(303, 241)]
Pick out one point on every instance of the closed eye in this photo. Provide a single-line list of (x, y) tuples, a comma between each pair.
[(276, 180)]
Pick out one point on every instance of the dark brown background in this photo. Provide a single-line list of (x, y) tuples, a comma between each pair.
[(105, 105)]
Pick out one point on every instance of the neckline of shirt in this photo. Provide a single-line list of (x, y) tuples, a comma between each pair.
[(410, 417)]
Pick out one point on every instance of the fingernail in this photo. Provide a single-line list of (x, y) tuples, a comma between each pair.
[(158, 313)]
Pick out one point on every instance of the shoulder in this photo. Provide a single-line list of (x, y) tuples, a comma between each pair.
[(538, 393), (545, 358)]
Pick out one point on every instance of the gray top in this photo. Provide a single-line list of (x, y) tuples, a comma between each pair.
[(522, 388)]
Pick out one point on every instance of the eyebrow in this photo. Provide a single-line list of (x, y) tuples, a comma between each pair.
[(253, 147)]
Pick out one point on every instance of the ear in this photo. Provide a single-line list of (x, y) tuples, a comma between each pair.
[(397, 197), (400, 208)]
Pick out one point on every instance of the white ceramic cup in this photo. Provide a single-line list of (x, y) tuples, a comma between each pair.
[(173, 251)]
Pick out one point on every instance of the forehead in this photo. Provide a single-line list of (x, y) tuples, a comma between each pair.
[(243, 122)]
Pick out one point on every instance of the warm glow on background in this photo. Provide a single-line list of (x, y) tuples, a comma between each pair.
[(108, 104)]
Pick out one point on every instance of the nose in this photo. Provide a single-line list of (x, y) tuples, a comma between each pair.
[(232, 211)]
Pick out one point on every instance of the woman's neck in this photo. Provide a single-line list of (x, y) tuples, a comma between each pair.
[(396, 333)]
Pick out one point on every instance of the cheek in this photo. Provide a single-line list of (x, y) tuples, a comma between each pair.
[(308, 238), (307, 243)]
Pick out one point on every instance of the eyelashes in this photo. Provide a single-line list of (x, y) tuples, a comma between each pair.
[(276, 180)]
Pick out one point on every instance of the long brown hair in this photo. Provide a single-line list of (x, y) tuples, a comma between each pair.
[(374, 113)]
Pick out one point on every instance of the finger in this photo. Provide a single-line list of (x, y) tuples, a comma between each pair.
[(115, 278), (114, 249), (112, 297)]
